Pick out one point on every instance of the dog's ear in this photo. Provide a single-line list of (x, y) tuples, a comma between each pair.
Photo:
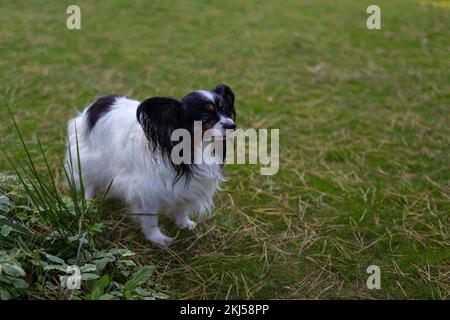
[(159, 116), (160, 111), (226, 93)]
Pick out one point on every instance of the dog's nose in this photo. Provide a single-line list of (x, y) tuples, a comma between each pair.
[(228, 124)]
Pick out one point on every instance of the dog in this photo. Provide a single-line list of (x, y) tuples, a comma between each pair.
[(124, 147)]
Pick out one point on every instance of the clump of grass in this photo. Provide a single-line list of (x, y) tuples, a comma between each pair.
[(44, 232)]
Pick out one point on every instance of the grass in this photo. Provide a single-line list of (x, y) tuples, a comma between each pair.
[(364, 128)]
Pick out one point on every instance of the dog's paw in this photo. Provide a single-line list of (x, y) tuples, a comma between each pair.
[(161, 241), (158, 238), (186, 223)]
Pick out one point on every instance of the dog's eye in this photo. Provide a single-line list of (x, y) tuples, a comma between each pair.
[(209, 108), (205, 114)]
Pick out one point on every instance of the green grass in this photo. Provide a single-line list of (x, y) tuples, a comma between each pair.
[(364, 128)]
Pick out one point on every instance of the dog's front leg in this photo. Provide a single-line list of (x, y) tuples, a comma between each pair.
[(183, 222), (150, 228)]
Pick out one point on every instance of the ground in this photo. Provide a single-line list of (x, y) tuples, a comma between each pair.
[(364, 133)]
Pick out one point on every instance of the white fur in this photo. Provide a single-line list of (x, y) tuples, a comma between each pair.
[(207, 94), (116, 150)]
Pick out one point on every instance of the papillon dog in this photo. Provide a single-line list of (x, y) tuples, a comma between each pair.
[(124, 147)]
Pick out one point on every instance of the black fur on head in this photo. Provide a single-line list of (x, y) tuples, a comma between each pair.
[(160, 116)]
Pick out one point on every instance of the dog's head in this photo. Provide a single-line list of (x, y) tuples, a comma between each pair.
[(160, 116), (215, 108)]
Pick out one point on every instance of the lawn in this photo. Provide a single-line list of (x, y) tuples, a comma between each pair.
[(364, 125)]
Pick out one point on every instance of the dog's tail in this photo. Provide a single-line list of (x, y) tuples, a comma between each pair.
[(75, 143)]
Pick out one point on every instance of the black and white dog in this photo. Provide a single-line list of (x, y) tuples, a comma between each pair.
[(126, 144)]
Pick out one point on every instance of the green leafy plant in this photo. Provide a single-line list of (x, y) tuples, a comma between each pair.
[(12, 283), (44, 231)]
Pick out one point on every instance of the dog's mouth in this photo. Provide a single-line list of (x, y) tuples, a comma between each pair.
[(217, 134), (218, 130)]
